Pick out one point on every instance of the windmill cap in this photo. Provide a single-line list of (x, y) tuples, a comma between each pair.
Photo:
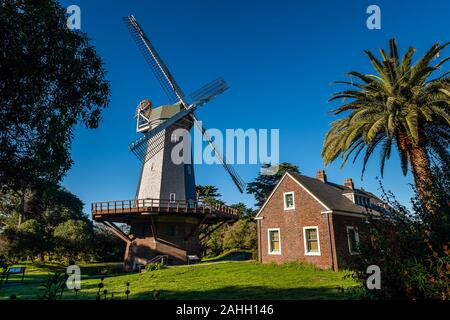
[(164, 112)]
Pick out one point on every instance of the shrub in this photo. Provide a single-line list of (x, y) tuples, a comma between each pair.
[(241, 235), (54, 286), (155, 266), (412, 249)]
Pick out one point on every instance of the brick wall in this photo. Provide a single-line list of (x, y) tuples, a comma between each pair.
[(307, 212), (340, 223)]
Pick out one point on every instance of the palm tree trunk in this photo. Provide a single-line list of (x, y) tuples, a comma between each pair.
[(420, 166)]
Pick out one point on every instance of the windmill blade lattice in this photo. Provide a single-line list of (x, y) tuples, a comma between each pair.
[(155, 62), (208, 92), (142, 147), (240, 184)]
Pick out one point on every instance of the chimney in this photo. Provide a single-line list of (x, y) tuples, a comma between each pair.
[(322, 176), (348, 182)]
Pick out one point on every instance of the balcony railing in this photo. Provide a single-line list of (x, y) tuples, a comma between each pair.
[(159, 205)]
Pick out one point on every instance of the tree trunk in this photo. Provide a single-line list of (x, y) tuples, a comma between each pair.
[(420, 166), (21, 210)]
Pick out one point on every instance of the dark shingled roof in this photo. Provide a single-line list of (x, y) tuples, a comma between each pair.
[(331, 194)]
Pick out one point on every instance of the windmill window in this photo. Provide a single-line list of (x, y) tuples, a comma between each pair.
[(353, 240), (289, 202), (311, 239), (174, 138), (172, 197)]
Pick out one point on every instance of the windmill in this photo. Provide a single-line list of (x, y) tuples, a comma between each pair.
[(165, 218)]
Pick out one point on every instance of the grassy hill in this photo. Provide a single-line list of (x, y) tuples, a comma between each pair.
[(220, 280)]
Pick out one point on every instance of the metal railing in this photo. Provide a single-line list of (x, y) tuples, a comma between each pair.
[(163, 259)]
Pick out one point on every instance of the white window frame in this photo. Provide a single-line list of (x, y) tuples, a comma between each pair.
[(293, 200), (350, 196), (269, 241), (170, 197), (356, 238), (306, 244)]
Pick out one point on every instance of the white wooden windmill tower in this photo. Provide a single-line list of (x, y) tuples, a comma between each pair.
[(165, 218)]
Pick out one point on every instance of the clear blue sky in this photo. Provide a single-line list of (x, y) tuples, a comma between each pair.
[(279, 58)]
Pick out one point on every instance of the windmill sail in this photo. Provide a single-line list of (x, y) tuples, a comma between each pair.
[(152, 57), (175, 94), (208, 92), (240, 184)]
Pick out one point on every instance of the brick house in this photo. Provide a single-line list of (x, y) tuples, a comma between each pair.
[(314, 221)]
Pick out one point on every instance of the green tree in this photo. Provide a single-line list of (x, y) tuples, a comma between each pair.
[(51, 80), (105, 246), (207, 191), (72, 237), (241, 235), (48, 208), (243, 212), (208, 194), (213, 244), (404, 105), (30, 238), (264, 183)]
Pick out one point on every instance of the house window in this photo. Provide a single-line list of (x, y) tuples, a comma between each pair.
[(362, 201), (353, 240), (312, 243), (274, 241), (289, 202), (172, 197)]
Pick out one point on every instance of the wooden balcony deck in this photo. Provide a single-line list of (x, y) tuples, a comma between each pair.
[(123, 210)]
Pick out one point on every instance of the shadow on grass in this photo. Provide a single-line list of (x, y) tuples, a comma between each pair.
[(249, 293), (226, 293)]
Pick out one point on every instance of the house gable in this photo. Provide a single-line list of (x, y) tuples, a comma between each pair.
[(280, 184)]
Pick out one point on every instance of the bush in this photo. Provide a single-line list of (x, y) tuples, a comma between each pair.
[(54, 286), (155, 266), (239, 236), (412, 249), (232, 255), (105, 246)]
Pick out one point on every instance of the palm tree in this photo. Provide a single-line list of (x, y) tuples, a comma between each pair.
[(401, 105)]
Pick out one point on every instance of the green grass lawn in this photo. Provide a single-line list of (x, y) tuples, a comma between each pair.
[(221, 280)]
